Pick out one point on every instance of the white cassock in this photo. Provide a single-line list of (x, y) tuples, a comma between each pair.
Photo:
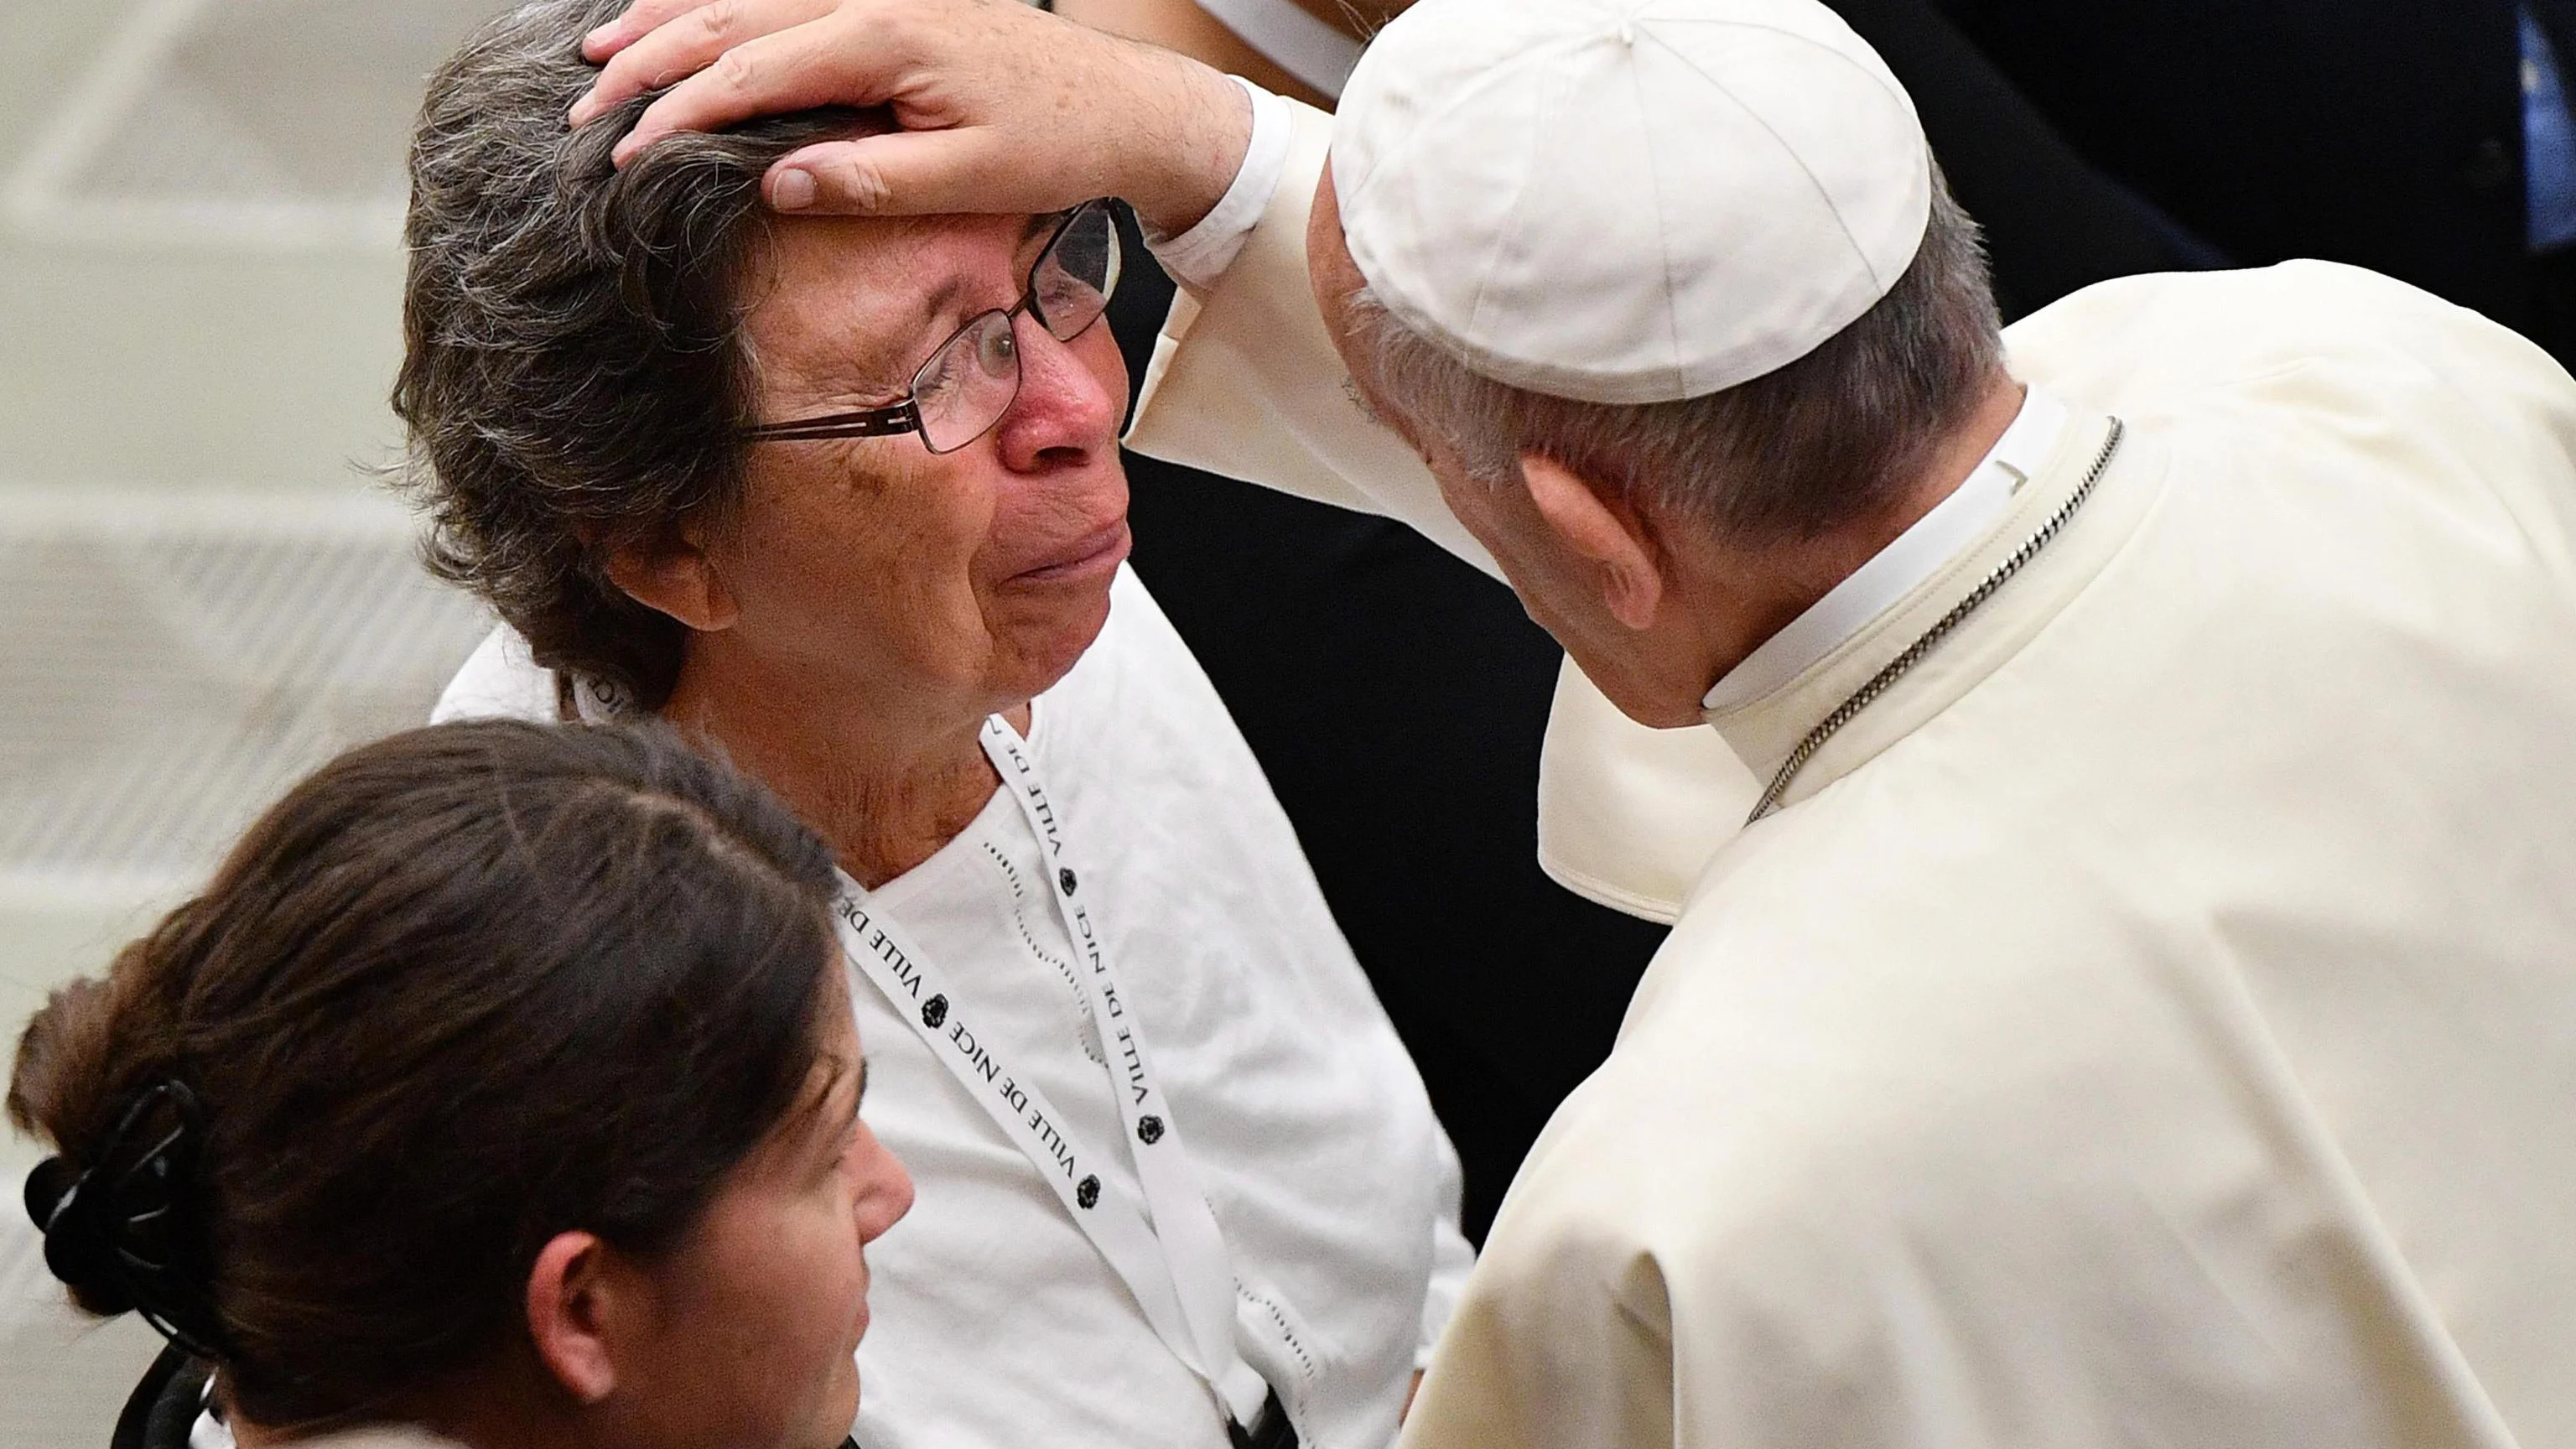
[(2152, 1019)]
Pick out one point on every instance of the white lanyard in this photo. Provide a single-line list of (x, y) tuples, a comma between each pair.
[(1170, 1253)]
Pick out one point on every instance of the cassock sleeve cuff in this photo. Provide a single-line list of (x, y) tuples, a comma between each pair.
[(1198, 257)]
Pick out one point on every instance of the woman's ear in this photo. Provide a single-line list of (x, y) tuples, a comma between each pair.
[(1615, 540), (676, 576), (577, 1308)]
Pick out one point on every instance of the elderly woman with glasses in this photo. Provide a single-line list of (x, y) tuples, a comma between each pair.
[(841, 499)]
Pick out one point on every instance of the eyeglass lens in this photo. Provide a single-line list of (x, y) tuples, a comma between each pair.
[(969, 383), (1071, 284)]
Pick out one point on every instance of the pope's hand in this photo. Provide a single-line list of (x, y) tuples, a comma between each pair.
[(1003, 108)]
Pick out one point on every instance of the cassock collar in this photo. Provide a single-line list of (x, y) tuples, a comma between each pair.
[(1764, 721), (1954, 523)]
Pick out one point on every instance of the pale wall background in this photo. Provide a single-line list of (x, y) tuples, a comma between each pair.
[(201, 593)]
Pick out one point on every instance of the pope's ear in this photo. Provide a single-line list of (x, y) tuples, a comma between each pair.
[(1611, 536), (675, 576), (578, 1306)]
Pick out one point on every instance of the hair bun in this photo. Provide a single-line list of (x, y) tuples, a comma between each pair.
[(74, 1250), (120, 1234)]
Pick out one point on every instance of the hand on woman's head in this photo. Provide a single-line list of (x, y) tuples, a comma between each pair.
[(1003, 108)]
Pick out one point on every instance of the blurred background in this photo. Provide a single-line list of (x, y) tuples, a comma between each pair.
[(205, 593)]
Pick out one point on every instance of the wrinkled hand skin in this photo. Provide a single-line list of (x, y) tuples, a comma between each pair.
[(1003, 108)]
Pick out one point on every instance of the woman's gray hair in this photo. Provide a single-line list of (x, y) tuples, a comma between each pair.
[(574, 372), (1819, 443)]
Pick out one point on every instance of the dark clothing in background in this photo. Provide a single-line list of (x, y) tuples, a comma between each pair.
[(2054, 220), (2387, 134), (2117, 136)]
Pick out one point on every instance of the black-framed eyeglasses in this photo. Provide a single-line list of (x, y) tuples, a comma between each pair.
[(972, 378)]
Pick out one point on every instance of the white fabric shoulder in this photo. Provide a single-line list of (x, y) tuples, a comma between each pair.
[(499, 680), (2168, 345)]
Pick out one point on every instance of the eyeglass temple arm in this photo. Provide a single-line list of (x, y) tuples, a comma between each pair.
[(872, 423)]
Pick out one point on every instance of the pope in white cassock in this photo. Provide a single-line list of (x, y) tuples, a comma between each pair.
[(2123, 982)]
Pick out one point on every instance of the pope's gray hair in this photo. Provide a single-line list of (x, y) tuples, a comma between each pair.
[(1806, 448), (574, 371)]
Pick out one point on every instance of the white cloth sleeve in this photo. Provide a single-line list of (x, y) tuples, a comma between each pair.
[(1452, 1256), (1197, 257), (1246, 382)]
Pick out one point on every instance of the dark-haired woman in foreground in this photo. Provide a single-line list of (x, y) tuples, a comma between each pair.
[(501, 1088)]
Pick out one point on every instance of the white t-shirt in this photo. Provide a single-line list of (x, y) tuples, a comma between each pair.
[(995, 1321)]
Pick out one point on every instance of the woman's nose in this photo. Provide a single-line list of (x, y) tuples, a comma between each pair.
[(885, 1191), (1072, 397)]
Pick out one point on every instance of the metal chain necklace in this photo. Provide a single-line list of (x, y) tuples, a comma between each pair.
[(1915, 652)]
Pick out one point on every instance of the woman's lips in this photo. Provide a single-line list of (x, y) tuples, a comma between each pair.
[(1094, 553)]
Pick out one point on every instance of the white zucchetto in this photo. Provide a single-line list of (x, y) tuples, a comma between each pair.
[(1628, 201)]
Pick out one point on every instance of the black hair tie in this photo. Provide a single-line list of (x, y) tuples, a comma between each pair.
[(120, 1231)]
